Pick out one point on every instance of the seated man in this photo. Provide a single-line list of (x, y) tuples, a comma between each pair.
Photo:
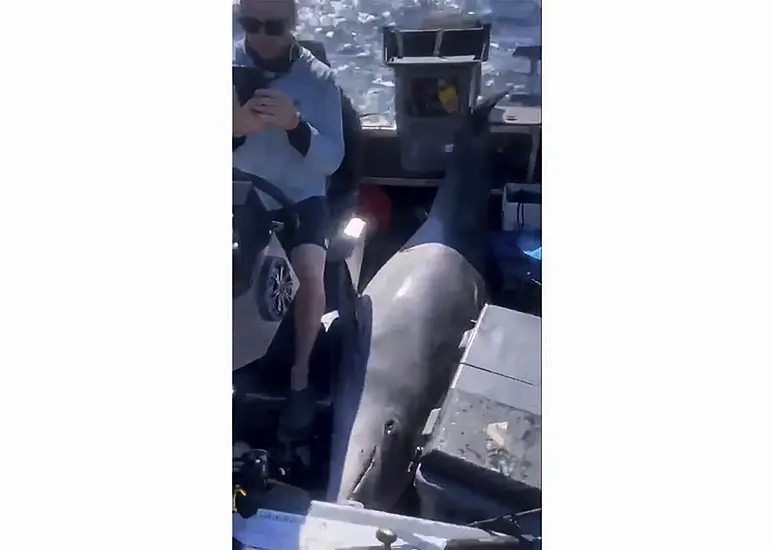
[(293, 137)]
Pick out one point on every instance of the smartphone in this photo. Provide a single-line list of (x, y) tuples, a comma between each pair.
[(247, 80)]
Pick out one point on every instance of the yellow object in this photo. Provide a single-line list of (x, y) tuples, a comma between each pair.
[(447, 95), (237, 492)]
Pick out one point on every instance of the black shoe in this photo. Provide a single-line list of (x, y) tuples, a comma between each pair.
[(298, 416)]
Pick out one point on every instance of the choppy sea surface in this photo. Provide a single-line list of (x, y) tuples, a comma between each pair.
[(351, 32)]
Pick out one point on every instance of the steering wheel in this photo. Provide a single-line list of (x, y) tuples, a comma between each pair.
[(253, 224), (240, 181)]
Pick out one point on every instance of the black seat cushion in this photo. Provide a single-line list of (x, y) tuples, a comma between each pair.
[(342, 185)]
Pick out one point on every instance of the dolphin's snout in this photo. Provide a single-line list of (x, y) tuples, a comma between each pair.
[(384, 473), (367, 467)]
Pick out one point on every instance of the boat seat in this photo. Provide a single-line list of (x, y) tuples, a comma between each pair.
[(264, 383), (343, 183)]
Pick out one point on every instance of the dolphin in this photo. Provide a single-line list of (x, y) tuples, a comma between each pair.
[(411, 318)]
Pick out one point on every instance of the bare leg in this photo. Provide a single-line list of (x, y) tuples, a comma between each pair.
[(309, 262)]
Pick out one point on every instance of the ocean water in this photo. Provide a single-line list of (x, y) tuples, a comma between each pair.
[(351, 32)]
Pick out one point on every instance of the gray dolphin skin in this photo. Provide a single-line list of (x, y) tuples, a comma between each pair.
[(411, 318)]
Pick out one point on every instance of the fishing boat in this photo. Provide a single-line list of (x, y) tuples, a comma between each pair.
[(477, 456)]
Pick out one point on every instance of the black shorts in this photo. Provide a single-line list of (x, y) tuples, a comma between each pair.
[(313, 224)]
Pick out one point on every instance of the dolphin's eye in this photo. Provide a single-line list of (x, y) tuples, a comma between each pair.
[(389, 427)]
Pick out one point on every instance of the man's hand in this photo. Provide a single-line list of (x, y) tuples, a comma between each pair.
[(276, 108), (246, 118)]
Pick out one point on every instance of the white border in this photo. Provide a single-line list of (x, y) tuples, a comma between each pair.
[(657, 277), (114, 399), (114, 231)]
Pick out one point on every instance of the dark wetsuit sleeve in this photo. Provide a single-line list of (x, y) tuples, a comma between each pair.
[(300, 137)]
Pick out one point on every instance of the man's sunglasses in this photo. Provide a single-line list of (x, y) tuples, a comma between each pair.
[(270, 27)]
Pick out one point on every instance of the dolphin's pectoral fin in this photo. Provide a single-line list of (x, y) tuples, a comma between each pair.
[(390, 435)]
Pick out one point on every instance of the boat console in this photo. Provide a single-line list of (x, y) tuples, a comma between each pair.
[(437, 80)]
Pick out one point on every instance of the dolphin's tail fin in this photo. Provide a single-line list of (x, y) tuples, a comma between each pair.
[(478, 120)]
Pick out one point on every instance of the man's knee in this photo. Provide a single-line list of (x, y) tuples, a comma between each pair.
[(309, 263)]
